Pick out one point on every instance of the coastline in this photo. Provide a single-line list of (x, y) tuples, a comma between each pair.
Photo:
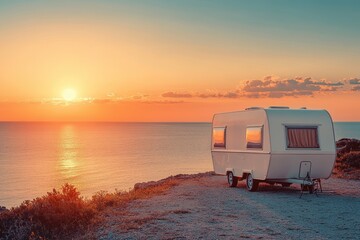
[(165, 208), (203, 206)]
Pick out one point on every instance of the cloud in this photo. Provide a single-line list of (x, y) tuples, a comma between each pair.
[(269, 87), (253, 95), (354, 81), (270, 77), (209, 94), (162, 101), (276, 94), (286, 94), (356, 88), (138, 97), (230, 95), (111, 95), (109, 99), (100, 100), (299, 86), (176, 95), (212, 94), (324, 83)]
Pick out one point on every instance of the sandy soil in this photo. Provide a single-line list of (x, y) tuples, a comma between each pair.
[(206, 208)]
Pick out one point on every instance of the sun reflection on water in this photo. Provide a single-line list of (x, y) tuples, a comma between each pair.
[(68, 155)]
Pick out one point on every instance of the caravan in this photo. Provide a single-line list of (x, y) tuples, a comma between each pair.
[(273, 145)]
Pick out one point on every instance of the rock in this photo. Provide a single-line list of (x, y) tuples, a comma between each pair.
[(144, 185)]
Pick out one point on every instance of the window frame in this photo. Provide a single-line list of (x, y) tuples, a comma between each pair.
[(223, 145), (261, 135), (302, 127)]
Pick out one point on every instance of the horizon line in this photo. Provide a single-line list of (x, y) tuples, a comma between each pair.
[(102, 122), (189, 122)]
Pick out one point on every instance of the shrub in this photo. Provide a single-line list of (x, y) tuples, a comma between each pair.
[(346, 145), (349, 160), (103, 199), (53, 216)]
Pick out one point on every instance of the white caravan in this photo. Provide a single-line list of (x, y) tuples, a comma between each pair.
[(274, 145)]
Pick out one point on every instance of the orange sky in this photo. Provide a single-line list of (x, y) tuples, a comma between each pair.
[(178, 61), (173, 111)]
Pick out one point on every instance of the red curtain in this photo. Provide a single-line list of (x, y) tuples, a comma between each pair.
[(302, 138)]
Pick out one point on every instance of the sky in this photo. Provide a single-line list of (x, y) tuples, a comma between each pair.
[(176, 60)]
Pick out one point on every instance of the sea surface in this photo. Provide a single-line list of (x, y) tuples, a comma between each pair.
[(37, 157)]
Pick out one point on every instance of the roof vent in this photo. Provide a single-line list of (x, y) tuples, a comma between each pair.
[(303, 108), (253, 108), (278, 107)]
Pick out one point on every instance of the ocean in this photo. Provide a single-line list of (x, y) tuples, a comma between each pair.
[(37, 157)]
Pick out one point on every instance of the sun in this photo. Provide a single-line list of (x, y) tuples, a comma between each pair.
[(69, 94)]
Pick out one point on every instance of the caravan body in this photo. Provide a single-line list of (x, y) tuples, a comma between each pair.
[(276, 144)]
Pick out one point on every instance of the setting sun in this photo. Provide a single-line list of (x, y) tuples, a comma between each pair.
[(69, 94)]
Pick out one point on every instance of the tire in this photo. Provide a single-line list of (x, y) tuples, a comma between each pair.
[(251, 184), (286, 184), (232, 180)]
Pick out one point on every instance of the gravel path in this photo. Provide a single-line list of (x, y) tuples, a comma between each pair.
[(206, 208)]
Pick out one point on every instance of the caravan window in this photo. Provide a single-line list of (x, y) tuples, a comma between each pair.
[(219, 137), (302, 137), (254, 137)]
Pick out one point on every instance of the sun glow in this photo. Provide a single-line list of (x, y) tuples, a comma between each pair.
[(69, 94)]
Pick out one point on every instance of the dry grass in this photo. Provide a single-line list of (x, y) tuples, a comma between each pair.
[(102, 199), (64, 214)]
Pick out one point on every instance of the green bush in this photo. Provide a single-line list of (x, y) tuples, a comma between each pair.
[(54, 216)]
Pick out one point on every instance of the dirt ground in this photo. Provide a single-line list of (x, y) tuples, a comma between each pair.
[(206, 208)]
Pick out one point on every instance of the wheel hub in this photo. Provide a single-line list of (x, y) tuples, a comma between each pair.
[(250, 182)]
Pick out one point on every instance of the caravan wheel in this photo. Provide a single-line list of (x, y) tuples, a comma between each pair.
[(251, 184), (232, 180)]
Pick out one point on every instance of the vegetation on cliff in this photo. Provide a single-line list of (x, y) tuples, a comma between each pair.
[(64, 214), (348, 158)]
